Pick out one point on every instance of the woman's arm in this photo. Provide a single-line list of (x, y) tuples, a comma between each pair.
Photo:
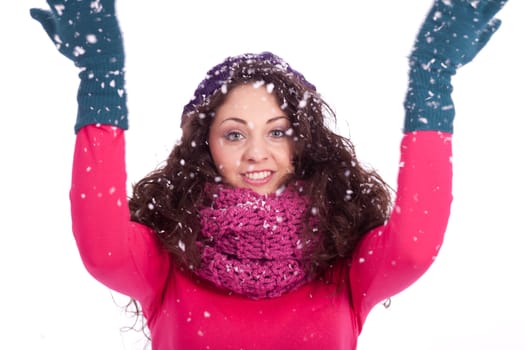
[(392, 257), (120, 254)]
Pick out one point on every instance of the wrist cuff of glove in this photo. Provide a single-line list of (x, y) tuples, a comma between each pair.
[(102, 97), (428, 102)]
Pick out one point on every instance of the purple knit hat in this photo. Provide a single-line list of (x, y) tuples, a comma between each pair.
[(221, 75)]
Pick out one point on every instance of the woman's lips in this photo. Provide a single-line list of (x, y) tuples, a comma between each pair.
[(258, 177)]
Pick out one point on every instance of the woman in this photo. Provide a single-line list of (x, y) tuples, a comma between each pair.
[(262, 230)]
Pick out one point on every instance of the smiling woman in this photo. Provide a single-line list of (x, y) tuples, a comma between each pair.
[(262, 229), (257, 125), (249, 141)]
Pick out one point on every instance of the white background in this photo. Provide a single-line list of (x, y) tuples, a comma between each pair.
[(473, 297)]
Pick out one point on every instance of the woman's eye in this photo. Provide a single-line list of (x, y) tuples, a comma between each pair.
[(233, 136), (277, 133)]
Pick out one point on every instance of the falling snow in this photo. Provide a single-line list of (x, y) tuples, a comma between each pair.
[(60, 9), (91, 38)]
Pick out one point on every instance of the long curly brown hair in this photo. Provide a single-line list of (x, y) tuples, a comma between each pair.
[(347, 199)]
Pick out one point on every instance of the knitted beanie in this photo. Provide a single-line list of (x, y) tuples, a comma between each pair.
[(220, 76)]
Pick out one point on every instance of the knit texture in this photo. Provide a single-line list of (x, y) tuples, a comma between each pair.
[(428, 103), (452, 34), (220, 76), (251, 243), (88, 33)]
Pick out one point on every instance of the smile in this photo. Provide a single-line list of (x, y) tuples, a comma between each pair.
[(258, 175)]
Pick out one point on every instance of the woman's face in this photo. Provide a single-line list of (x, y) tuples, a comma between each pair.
[(250, 139)]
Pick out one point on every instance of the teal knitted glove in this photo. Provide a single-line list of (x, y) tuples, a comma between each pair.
[(453, 33), (88, 33)]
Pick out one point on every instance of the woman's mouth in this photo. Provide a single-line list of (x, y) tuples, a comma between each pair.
[(258, 177)]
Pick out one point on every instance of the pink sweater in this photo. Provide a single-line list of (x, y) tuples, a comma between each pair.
[(125, 257)]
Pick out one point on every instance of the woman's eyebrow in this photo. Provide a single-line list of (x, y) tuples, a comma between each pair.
[(271, 120), (242, 121)]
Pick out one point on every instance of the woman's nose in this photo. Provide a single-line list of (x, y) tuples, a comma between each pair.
[(256, 150)]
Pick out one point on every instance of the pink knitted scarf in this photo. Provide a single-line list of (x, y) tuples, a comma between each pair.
[(251, 244)]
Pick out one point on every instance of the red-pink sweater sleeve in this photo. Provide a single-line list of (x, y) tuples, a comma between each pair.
[(393, 256), (119, 253)]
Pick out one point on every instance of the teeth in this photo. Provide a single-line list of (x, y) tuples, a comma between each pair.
[(257, 175)]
